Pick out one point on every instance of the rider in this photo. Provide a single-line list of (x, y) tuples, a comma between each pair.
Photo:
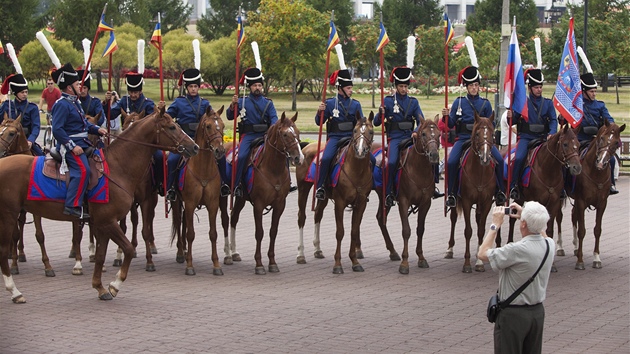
[(20, 106), (134, 101), (461, 116), (70, 129), (257, 113), (91, 105), (540, 124)]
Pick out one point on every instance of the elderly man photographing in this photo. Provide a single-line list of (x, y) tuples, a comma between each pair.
[(519, 326)]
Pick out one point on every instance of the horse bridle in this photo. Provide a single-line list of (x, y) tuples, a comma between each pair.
[(279, 137), (362, 136), (485, 142), (605, 148), (209, 138), (179, 147), (7, 144), (424, 143), (565, 158)]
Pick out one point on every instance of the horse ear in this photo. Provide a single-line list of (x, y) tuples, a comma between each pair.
[(606, 122), (123, 114), (142, 114), (371, 118), (220, 111), (436, 119), (492, 117), (162, 110), (208, 110), (622, 127), (19, 119), (476, 117), (283, 117), (294, 118)]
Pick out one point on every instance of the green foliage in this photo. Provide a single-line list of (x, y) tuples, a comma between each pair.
[(175, 14), (18, 26), (487, 47), (430, 50), (217, 66), (36, 63), (365, 54), (221, 21), (487, 16)]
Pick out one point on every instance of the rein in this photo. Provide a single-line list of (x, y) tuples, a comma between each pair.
[(284, 151), (425, 145), (367, 186), (6, 144)]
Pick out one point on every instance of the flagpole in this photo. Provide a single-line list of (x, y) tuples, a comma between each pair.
[(386, 174), (236, 82), (109, 102), (87, 65), (445, 106), (509, 152)]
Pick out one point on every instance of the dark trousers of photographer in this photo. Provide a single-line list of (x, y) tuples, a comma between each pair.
[(519, 329)]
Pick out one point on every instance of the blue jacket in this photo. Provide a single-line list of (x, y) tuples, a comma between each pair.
[(594, 114), (68, 120), (141, 104), (469, 104), (347, 109), (258, 110), (540, 110), (408, 111), (93, 106), (188, 109), (30, 116)]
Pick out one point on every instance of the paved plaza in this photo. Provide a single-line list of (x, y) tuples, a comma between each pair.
[(305, 308)]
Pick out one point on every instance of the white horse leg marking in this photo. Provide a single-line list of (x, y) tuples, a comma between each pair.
[(116, 284), (233, 240), (119, 254), (92, 249), (596, 257), (10, 286), (301, 242), (78, 266), (226, 247), (559, 242), (576, 242), (316, 242), (479, 262)]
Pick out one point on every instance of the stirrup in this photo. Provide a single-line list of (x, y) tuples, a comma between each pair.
[(238, 192), (171, 196), (390, 200), (225, 190), (320, 194), (451, 202), (514, 194), (500, 198)]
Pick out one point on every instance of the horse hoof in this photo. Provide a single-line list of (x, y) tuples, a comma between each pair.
[(273, 268), (301, 260), (135, 254), (72, 254), (77, 271), (260, 271), (597, 264), (359, 254), (403, 270), (236, 257), (15, 270), (554, 269), (190, 271), (217, 271), (228, 261), (18, 299), (22, 258), (150, 268), (92, 258), (338, 270), (49, 272), (104, 269), (579, 266), (560, 253), (575, 253), (154, 250), (113, 290), (357, 268), (106, 296), (319, 254), (117, 263), (448, 255), (480, 268), (394, 256), (467, 269), (179, 259), (423, 263)]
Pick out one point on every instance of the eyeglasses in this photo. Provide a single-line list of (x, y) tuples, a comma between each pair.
[(49, 83)]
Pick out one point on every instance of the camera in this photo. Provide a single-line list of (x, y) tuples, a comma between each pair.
[(509, 211)]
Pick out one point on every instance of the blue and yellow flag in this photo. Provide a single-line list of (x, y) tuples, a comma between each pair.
[(240, 33), (383, 39), (333, 37), (111, 46), (156, 38), (104, 27), (1, 48), (448, 34)]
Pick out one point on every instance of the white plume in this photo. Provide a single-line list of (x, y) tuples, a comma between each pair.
[(51, 53), (196, 53), (411, 51), (86, 52), (587, 64), (141, 56), (256, 55), (538, 53), (342, 61), (14, 59), (471, 51)]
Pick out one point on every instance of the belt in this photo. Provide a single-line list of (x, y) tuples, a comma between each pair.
[(517, 306)]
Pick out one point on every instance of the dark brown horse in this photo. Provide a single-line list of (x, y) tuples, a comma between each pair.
[(202, 184), (477, 187), (592, 188), (140, 141), (353, 188), (271, 187), (415, 189)]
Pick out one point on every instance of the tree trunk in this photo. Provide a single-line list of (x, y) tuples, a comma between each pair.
[(294, 93), (99, 83)]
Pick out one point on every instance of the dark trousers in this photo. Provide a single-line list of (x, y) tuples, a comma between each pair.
[(79, 178), (519, 330)]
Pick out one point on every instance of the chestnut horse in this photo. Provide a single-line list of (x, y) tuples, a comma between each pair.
[(353, 188), (270, 187), (546, 180), (202, 184), (477, 187), (158, 131), (592, 188), (415, 189)]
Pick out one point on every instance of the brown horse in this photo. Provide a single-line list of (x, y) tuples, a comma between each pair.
[(415, 189), (353, 188), (592, 188), (202, 184), (270, 187), (477, 187), (158, 131)]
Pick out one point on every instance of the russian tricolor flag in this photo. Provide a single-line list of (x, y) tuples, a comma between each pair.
[(514, 87)]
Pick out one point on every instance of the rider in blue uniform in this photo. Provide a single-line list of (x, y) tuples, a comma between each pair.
[(462, 117), (540, 124), (134, 101), (340, 116), (257, 113), (91, 105), (70, 129), (20, 106), (595, 112)]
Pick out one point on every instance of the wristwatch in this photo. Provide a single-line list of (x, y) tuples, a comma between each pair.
[(493, 227)]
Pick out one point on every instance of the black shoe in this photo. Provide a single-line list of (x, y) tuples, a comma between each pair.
[(390, 200), (171, 196), (225, 190), (437, 194), (451, 201), (514, 194), (292, 188), (500, 198), (78, 212), (238, 192), (613, 189), (563, 194), (320, 194)]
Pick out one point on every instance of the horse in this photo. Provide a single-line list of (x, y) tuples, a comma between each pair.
[(158, 131), (477, 187), (353, 188), (271, 184), (202, 184), (592, 188), (546, 180), (415, 189)]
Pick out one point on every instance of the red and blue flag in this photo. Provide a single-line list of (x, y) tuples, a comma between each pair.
[(383, 38), (448, 34), (514, 86), (333, 37), (568, 96), (111, 46), (240, 32)]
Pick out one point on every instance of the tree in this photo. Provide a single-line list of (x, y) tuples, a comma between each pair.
[(36, 63), (487, 16), (344, 14), (218, 67), (487, 47), (177, 56), (429, 57), (220, 21), (18, 26), (175, 14)]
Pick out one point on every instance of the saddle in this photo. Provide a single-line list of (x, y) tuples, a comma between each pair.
[(256, 143), (403, 150), (53, 163)]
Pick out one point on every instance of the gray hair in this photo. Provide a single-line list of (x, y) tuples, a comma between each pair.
[(536, 216)]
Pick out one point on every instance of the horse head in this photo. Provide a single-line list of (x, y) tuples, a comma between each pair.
[(482, 138), (129, 118), (606, 142), (567, 149), (286, 137), (170, 133), (209, 134), (363, 135), (10, 132), (426, 139)]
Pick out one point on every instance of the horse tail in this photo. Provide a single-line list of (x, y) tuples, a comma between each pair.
[(177, 213)]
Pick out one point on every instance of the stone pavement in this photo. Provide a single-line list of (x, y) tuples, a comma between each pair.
[(305, 308)]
